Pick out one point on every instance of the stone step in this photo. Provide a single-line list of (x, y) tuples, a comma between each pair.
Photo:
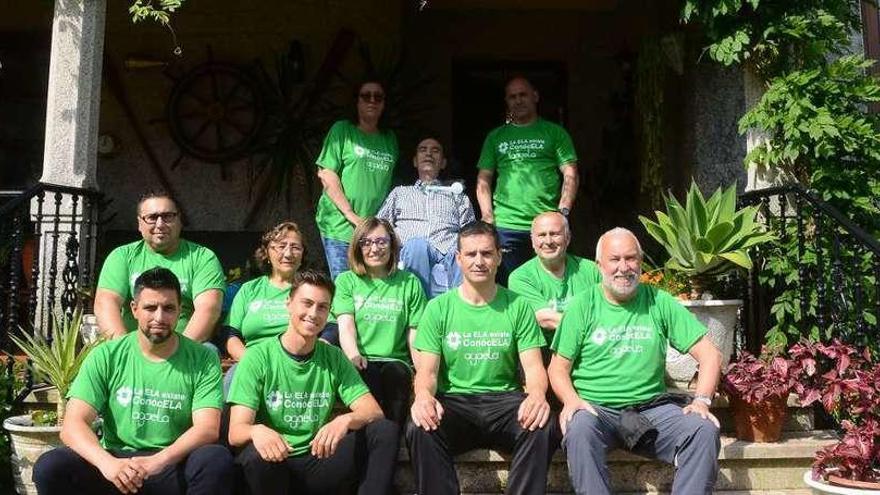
[(745, 467)]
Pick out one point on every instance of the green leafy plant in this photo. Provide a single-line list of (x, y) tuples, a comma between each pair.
[(160, 12), (58, 359), (706, 238)]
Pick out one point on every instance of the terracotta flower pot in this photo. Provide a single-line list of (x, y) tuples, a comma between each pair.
[(761, 422)]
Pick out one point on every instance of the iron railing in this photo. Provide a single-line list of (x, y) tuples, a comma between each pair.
[(822, 276), (47, 251)]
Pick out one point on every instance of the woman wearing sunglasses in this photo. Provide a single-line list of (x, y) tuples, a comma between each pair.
[(378, 308), (356, 165)]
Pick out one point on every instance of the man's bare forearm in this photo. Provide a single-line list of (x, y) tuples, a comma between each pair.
[(484, 198), (570, 184), (108, 312), (206, 313), (193, 438)]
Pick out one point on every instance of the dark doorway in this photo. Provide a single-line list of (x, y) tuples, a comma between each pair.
[(478, 106)]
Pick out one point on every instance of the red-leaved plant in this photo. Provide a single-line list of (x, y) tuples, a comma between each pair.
[(756, 379), (846, 381)]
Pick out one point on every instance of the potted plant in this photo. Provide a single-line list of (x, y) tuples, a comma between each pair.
[(706, 239), (846, 381), (56, 361), (758, 390)]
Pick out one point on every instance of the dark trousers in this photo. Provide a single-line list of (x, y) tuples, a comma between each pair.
[(365, 458), (516, 249), (390, 382), (208, 470), (481, 421)]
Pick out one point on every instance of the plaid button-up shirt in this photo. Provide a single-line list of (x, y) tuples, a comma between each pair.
[(433, 215)]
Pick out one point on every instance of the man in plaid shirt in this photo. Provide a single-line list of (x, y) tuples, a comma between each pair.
[(427, 217)]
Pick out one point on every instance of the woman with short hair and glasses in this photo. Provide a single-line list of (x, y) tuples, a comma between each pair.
[(378, 308), (356, 165), (259, 308)]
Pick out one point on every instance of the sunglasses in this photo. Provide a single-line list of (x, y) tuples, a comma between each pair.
[(375, 97)]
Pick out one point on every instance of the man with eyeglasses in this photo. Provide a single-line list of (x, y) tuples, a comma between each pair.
[(201, 277), (427, 217), (528, 154), (550, 279)]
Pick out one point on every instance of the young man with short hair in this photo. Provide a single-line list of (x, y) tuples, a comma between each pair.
[(282, 399), (472, 341), (159, 395)]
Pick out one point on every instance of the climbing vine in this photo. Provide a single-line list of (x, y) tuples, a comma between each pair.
[(649, 96)]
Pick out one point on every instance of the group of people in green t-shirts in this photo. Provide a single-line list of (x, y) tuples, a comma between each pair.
[(472, 367)]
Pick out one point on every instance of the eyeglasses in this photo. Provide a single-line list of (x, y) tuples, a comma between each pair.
[(167, 217), (280, 248), (379, 242), (375, 97)]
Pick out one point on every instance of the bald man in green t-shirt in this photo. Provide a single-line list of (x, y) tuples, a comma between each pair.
[(471, 341), (608, 371), (527, 154)]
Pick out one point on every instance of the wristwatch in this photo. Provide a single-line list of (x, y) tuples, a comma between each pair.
[(564, 211), (705, 399)]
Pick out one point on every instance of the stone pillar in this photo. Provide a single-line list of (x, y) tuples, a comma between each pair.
[(70, 150), (73, 101), (759, 176)]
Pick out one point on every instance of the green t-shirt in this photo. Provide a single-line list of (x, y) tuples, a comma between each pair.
[(618, 352), (479, 346), (542, 290), (147, 405), (196, 267), (294, 398), (526, 160), (365, 165), (259, 310), (383, 310)]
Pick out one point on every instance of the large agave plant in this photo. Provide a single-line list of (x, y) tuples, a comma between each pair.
[(57, 360), (705, 238)]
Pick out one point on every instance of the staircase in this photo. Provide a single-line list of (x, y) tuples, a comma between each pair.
[(745, 467)]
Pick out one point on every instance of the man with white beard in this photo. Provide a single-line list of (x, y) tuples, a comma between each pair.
[(608, 371)]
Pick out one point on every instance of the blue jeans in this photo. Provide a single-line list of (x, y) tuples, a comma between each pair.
[(438, 272), (336, 253), (516, 249)]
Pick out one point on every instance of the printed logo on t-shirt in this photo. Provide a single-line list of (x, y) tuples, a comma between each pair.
[(375, 160), (517, 149), (453, 340), (376, 308), (123, 396), (150, 405), (358, 302), (623, 339), (274, 400), (300, 407), (255, 306)]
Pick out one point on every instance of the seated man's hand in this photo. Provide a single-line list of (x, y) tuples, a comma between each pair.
[(126, 476), (328, 437), (533, 412), (269, 443), (426, 412), (359, 362), (568, 411), (150, 465), (697, 407)]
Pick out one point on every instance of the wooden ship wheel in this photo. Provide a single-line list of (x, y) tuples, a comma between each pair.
[(216, 113)]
